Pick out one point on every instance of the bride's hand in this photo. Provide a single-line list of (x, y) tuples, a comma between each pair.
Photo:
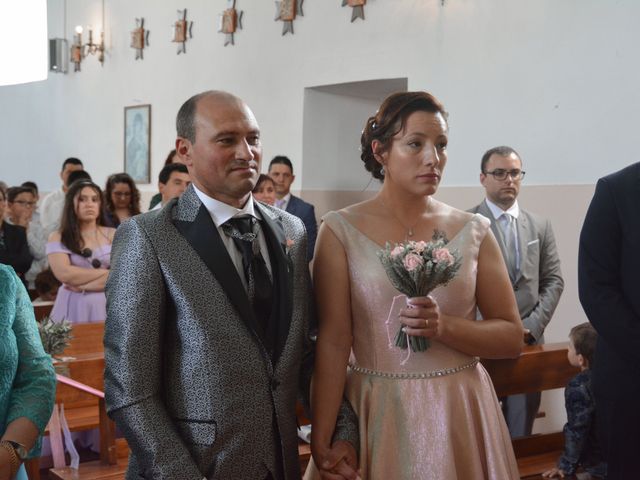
[(422, 317)]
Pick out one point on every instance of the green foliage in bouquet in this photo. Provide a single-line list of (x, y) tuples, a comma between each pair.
[(416, 269), (55, 336)]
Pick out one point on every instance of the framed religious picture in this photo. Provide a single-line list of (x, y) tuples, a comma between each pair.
[(137, 142)]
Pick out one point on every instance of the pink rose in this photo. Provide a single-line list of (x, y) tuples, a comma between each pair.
[(419, 247), (412, 261), (397, 251), (442, 255)]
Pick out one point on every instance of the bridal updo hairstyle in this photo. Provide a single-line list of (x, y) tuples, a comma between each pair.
[(389, 120)]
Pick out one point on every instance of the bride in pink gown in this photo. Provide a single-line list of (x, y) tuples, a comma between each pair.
[(436, 416)]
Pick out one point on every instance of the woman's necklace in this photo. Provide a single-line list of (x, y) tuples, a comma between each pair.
[(409, 229)]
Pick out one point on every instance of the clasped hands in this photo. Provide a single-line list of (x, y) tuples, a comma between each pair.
[(339, 462), (422, 317)]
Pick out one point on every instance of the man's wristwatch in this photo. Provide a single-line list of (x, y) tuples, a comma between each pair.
[(21, 450)]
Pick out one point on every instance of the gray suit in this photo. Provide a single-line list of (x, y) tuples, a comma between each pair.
[(187, 379), (537, 287)]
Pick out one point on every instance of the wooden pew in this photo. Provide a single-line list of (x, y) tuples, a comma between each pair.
[(113, 458), (42, 309), (538, 368), (79, 389), (87, 338)]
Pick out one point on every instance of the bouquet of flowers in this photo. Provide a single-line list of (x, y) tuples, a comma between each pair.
[(55, 336), (416, 269)]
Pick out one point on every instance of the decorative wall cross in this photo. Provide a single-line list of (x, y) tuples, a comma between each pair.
[(357, 7), (139, 38), (230, 21), (286, 11), (182, 31)]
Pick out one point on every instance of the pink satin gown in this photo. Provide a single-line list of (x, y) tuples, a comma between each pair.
[(437, 416)]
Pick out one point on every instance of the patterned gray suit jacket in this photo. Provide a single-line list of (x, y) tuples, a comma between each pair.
[(539, 283), (187, 379)]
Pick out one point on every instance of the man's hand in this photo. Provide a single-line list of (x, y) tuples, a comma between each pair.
[(553, 473), (339, 462)]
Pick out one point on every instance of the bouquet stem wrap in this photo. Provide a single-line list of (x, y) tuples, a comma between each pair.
[(416, 269)]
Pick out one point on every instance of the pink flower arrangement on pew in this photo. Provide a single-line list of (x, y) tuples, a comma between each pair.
[(416, 269)]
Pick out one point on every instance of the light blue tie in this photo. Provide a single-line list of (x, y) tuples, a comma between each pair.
[(510, 235)]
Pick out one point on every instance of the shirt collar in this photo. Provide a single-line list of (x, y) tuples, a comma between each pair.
[(497, 212), (221, 212), (286, 198)]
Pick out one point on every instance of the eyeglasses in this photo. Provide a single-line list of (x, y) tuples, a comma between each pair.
[(501, 174), (24, 203), (86, 253)]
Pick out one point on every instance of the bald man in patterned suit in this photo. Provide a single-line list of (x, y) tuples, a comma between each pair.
[(206, 338)]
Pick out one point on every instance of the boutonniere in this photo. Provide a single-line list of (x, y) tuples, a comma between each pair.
[(286, 246)]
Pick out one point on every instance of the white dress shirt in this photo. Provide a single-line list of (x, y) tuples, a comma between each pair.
[(221, 212), (51, 211), (497, 213)]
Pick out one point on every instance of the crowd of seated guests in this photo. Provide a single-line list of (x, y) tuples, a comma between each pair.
[(62, 249)]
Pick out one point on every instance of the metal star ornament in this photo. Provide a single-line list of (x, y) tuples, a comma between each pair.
[(286, 11), (357, 7), (139, 38), (182, 31), (229, 21)]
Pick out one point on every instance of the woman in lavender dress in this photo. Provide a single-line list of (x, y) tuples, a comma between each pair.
[(79, 255)]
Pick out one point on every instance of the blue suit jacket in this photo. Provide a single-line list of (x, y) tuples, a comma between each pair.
[(608, 266), (305, 212)]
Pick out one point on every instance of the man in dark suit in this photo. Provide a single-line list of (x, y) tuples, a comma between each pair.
[(608, 266), (14, 248), (208, 312), (281, 171), (529, 249)]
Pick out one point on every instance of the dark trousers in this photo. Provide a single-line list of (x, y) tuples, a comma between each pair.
[(618, 423), (519, 412)]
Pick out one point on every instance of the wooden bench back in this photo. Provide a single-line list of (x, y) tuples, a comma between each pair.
[(87, 338), (538, 368), (87, 369)]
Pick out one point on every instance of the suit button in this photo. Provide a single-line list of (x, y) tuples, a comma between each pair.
[(274, 384)]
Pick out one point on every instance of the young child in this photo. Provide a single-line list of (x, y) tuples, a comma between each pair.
[(580, 443)]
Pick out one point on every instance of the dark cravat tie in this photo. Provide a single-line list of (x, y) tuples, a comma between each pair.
[(259, 286)]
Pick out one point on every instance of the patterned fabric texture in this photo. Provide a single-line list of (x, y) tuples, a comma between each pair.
[(187, 379), (27, 379)]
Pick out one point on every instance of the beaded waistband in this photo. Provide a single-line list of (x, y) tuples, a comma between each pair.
[(415, 375)]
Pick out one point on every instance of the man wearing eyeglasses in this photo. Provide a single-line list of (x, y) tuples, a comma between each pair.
[(529, 250)]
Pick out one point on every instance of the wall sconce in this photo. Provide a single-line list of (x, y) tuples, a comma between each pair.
[(80, 51), (76, 49)]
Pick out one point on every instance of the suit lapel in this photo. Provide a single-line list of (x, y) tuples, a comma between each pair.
[(291, 206), (283, 270), (495, 228), (203, 236)]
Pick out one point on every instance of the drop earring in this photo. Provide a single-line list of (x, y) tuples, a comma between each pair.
[(382, 170)]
